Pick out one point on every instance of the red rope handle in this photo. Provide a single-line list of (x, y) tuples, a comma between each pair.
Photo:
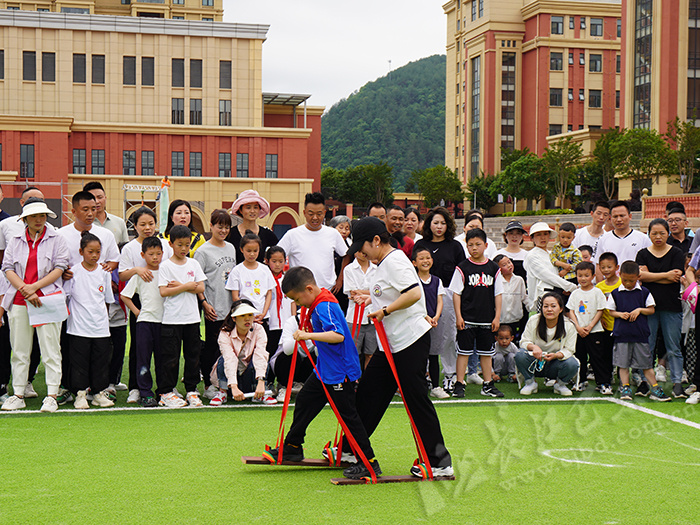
[(383, 339), (357, 319)]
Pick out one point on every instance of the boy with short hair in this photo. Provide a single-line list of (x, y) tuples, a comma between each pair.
[(338, 366), (608, 266), (477, 287), (586, 253), (565, 256), (148, 321), (504, 356), (180, 279), (586, 305), (629, 305)]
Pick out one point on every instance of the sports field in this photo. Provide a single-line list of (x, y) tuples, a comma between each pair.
[(521, 460)]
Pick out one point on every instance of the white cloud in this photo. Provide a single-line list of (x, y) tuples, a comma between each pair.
[(328, 49)]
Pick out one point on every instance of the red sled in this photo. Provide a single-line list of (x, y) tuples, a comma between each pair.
[(387, 479)]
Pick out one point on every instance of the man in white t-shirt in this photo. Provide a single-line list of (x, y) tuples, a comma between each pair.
[(590, 235), (113, 223), (312, 244), (623, 241), (84, 208)]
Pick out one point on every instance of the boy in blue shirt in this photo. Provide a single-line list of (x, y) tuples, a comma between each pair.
[(338, 365)]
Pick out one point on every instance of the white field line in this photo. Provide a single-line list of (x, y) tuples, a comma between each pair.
[(656, 413)]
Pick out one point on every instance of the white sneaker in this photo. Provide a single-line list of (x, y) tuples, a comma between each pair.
[(112, 389), (346, 458), (81, 402), (474, 379), (438, 472), (448, 383), (281, 392), (177, 393), (193, 399), (101, 400), (439, 393), (550, 382), (561, 388), (529, 388), (684, 377), (29, 391), (170, 400), (121, 387), (691, 390), (133, 397), (266, 400), (13, 403), (49, 404), (660, 372), (219, 399), (694, 399), (580, 387), (296, 387), (606, 390), (210, 392)]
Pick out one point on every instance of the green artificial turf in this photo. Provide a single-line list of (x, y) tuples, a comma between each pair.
[(183, 466)]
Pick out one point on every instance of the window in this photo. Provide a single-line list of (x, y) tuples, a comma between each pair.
[(98, 161), (475, 144), (473, 10), (224, 112), (147, 163), (595, 98), (582, 58), (555, 97), (571, 22), (129, 67), (2, 63), (29, 65), (26, 161), (79, 76), (224, 74), (195, 73), (569, 128), (270, 166), (225, 164), (596, 27), (98, 69), (78, 161), (76, 10), (148, 71), (129, 162), (557, 25), (48, 67), (195, 163), (617, 99), (481, 8), (179, 2), (556, 61), (43, 10), (178, 17), (178, 116), (595, 63), (508, 64), (207, 3), (571, 59), (178, 72), (555, 129), (196, 111), (619, 28), (571, 95), (641, 98), (581, 95), (617, 63), (242, 165), (177, 167), (583, 22)]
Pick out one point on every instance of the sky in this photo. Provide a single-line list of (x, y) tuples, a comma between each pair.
[(330, 48)]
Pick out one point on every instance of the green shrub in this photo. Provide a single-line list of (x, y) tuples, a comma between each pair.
[(538, 212)]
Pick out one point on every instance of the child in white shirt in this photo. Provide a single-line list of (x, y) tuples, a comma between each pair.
[(90, 290), (281, 306), (356, 281), (252, 280), (180, 279), (514, 297)]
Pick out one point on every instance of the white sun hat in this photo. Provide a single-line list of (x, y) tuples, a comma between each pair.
[(243, 309), (541, 227), (35, 206)]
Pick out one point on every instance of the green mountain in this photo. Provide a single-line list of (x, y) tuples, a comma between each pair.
[(398, 119)]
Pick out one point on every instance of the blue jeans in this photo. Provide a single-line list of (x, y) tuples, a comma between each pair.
[(671, 324), (564, 369), (246, 380)]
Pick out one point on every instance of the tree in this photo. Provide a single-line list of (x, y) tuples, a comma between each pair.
[(605, 160), (437, 183), (360, 185), (525, 178), (642, 154), (509, 156), (684, 137), (485, 189), (562, 160)]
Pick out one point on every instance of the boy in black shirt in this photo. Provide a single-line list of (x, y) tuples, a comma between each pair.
[(477, 288)]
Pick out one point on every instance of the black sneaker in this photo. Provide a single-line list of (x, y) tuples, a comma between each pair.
[(458, 389), (149, 402), (642, 389), (291, 453), (678, 391), (489, 389), (359, 470)]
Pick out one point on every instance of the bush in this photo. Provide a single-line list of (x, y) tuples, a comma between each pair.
[(557, 211)]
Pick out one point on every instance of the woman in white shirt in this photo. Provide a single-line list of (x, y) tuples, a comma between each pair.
[(547, 347)]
